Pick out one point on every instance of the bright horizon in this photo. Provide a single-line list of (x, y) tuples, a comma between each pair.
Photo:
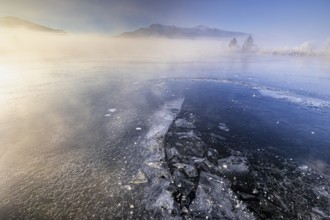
[(289, 22)]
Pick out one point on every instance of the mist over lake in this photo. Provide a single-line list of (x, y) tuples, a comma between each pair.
[(164, 109), (127, 136)]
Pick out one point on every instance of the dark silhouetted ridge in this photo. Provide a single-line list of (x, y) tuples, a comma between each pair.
[(174, 32)]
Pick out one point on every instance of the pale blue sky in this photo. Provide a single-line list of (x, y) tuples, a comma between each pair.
[(300, 19)]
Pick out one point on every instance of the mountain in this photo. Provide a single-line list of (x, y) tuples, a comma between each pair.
[(174, 32), (14, 23)]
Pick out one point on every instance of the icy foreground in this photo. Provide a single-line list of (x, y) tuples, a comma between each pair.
[(118, 141), (175, 185), (221, 173)]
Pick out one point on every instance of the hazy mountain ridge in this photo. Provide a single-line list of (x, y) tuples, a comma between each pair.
[(174, 32), (14, 23)]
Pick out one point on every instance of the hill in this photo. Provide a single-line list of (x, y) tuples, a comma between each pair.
[(174, 32), (14, 23)]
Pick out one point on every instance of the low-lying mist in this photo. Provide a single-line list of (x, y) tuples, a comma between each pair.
[(70, 126), (44, 45)]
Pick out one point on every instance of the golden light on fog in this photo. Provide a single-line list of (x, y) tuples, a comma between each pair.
[(7, 74), (7, 78)]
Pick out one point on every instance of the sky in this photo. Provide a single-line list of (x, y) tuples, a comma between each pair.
[(294, 19)]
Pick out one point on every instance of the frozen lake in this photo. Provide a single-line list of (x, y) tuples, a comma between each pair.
[(238, 137)]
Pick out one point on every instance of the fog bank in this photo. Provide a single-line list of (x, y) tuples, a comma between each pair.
[(44, 44)]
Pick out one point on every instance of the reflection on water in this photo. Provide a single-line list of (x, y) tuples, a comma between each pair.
[(66, 153)]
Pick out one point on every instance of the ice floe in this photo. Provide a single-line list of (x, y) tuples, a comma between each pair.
[(183, 123), (223, 127), (215, 200), (139, 178), (233, 164), (303, 167)]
